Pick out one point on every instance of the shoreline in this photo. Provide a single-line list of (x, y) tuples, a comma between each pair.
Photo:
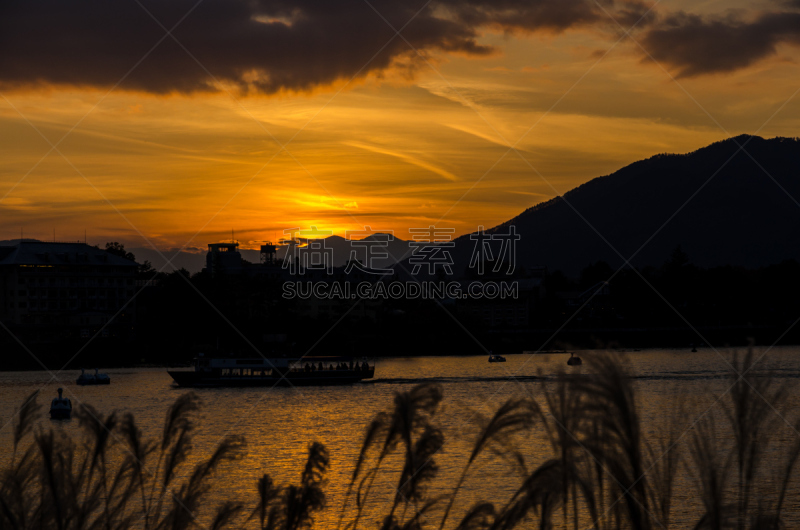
[(24, 365)]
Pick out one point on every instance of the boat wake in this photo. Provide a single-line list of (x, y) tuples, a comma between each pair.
[(664, 376)]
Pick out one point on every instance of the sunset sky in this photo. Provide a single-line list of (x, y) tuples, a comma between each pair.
[(259, 116)]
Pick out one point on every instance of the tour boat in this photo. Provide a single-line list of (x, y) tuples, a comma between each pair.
[(60, 407), (493, 358), (262, 371)]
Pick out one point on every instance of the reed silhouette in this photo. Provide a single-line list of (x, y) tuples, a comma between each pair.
[(605, 470)]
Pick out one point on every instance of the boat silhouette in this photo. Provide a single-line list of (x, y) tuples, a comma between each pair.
[(60, 407), (494, 358), (93, 379), (302, 371), (574, 361)]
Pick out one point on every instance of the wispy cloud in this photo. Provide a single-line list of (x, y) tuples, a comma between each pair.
[(406, 158)]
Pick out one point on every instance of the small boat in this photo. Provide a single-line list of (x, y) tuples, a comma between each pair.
[(574, 361), (101, 379), (493, 358), (85, 379), (60, 407), (93, 379)]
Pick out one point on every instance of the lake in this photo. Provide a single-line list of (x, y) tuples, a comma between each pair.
[(279, 423)]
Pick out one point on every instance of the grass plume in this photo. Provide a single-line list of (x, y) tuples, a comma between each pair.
[(601, 467)]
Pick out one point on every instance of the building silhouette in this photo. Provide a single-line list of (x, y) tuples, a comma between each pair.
[(223, 258), (65, 289)]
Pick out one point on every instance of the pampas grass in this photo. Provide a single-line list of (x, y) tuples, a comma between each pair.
[(601, 471)]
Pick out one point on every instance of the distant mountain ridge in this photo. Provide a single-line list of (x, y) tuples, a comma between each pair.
[(719, 204), (341, 248), (722, 205)]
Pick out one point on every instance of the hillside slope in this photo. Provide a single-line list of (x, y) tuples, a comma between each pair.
[(717, 203)]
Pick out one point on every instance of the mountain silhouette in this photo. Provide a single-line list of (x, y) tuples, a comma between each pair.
[(195, 259), (723, 205)]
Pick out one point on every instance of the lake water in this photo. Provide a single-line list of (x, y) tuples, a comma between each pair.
[(279, 423)]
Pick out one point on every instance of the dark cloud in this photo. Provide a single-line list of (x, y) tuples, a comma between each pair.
[(524, 16), (634, 15), (257, 45), (696, 45)]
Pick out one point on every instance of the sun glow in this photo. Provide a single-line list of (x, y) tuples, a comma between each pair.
[(457, 140)]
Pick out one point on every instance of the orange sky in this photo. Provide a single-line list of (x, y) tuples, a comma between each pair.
[(396, 149)]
